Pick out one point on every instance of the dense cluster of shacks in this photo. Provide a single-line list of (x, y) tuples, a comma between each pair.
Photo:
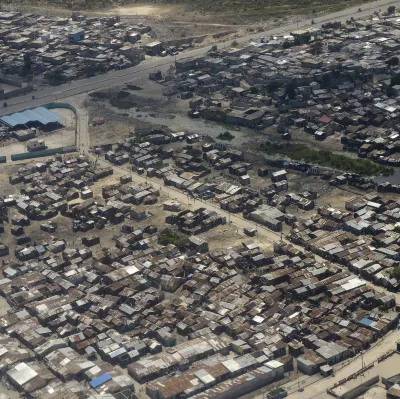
[(340, 85), (83, 324), (192, 167), (68, 48), (50, 189), (176, 322), (365, 238)]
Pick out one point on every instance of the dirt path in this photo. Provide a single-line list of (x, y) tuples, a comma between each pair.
[(238, 221)]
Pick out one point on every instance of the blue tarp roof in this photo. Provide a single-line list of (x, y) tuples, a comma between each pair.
[(39, 114), (96, 382), (367, 322)]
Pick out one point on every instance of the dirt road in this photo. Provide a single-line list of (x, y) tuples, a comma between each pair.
[(319, 388), (83, 143)]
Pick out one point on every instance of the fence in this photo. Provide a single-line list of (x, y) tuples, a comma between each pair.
[(17, 92), (11, 82), (360, 389), (43, 153), (60, 105)]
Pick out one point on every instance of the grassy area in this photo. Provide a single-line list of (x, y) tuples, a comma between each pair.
[(303, 153), (169, 236)]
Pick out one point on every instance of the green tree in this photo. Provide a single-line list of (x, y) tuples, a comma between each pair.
[(286, 44), (254, 90), (272, 87), (391, 10), (168, 236), (290, 91), (55, 76), (316, 47), (395, 80), (302, 39), (27, 62), (395, 273), (393, 61)]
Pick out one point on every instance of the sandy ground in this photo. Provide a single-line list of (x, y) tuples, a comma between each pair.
[(109, 133), (376, 392), (60, 138), (386, 369), (143, 10)]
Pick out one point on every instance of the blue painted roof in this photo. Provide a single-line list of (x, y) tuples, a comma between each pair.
[(367, 322), (96, 382), (39, 114)]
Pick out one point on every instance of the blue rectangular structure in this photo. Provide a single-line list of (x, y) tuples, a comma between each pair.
[(96, 382), (366, 322), (36, 115)]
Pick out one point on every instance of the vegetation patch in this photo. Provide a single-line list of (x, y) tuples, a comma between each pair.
[(395, 273), (226, 136), (99, 94), (121, 103), (170, 236), (133, 87), (301, 152), (123, 94)]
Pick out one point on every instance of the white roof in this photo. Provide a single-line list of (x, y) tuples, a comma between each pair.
[(22, 373), (274, 364)]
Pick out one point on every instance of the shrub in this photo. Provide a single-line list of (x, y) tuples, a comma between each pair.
[(225, 136), (301, 152), (169, 236)]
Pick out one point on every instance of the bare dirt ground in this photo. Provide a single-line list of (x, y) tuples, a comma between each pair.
[(154, 10), (376, 392), (224, 236), (109, 133)]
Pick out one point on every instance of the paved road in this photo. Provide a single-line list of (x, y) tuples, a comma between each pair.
[(49, 94)]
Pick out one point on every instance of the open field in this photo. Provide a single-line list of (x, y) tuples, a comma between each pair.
[(226, 12)]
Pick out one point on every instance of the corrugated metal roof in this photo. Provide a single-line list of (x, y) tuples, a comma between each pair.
[(39, 114), (95, 383)]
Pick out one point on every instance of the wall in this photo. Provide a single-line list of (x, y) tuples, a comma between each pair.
[(11, 82), (360, 389), (43, 153), (16, 92)]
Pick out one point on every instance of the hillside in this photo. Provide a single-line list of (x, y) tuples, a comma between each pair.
[(228, 11)]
